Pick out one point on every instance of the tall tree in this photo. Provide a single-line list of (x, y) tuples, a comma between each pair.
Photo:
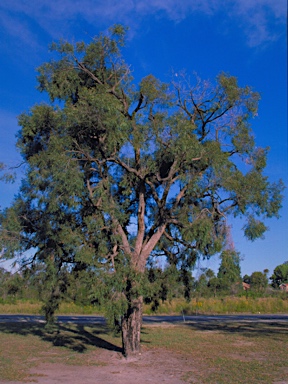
[(138, 170), (258, 281), (229, 270)]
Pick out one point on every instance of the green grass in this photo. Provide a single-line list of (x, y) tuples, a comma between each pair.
[(215, 352), (227, 352)]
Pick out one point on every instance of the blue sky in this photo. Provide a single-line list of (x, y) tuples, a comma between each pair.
[(244, 38)]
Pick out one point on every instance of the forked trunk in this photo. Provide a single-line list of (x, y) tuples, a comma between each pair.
[(131, 328)]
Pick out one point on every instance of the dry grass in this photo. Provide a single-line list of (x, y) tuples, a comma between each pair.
[(214, 352), (228, 352), (34, 308), (21, 307), (226, 305), (25, 345), (176, 306)]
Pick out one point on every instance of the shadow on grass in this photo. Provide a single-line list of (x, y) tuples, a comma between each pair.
[(72, 336), (245, 328), (80, 337)]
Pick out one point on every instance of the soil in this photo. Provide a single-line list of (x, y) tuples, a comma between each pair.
[(156, 366)]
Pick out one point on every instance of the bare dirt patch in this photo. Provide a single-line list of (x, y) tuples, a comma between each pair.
[(156, 366)]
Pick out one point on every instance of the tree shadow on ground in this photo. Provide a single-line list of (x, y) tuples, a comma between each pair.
[(245, 328), (75, 337)]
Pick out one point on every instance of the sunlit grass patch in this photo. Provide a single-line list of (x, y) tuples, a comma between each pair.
[(24, 346), (231, 353)]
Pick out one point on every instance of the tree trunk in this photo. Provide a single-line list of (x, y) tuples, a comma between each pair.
[(50, 307), (131, 328)]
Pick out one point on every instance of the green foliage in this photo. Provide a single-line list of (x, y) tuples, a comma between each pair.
[(188, 283), (254, 229), (201, 286), (164, 285), (229, 270), (246, 279), (11, 285), (55, 287), (7, 177), (112, 289), (258, 281), (215, 284), (280, 275), (10, 232)]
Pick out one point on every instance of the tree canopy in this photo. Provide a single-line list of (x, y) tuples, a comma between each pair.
[(118, 172), (280, 275), (258, 281), (229, 270)]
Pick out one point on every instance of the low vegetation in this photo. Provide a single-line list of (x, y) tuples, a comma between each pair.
[(225, 305), (208, 306)]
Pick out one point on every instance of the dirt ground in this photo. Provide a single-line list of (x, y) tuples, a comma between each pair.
[(151, 367)]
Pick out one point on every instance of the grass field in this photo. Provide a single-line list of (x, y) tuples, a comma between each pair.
[(229, 353), (214, 353)]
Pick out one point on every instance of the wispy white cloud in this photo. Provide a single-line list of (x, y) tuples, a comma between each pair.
[(18, 29), (259, 19)]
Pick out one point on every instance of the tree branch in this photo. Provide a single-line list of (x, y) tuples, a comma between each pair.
[(141, 219)]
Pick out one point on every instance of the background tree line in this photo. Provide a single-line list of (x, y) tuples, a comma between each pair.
[(79, 285)]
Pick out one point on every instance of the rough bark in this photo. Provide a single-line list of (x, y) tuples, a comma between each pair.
[(131, 328), (50, 307)]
